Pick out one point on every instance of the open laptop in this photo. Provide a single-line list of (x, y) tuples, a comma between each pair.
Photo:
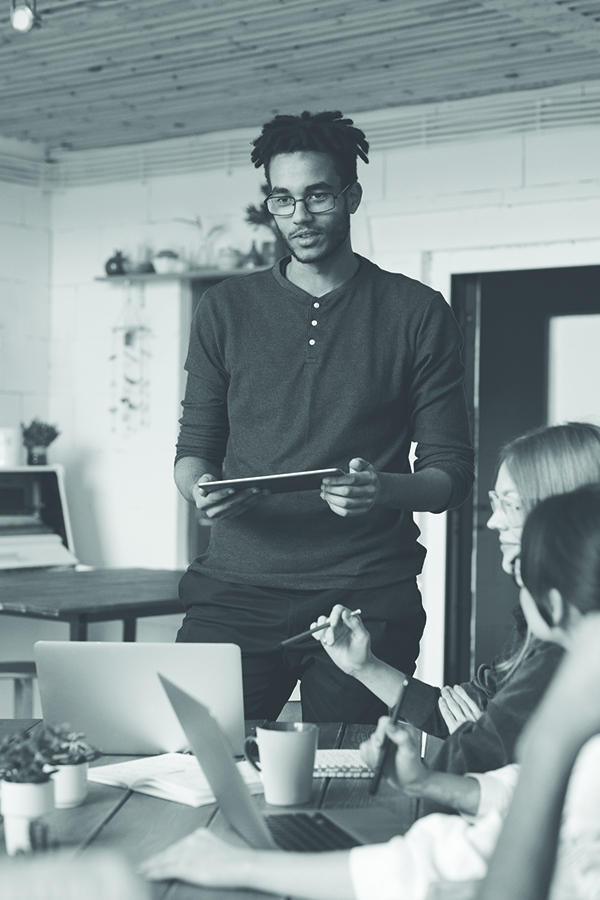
[(110, 691), (310, 831)]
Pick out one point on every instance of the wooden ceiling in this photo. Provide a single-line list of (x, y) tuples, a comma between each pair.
[(105, 73)]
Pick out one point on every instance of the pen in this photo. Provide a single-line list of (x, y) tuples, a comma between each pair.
[(387, 743), (305, 634)]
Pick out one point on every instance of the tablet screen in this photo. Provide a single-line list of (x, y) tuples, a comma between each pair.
[(277, 484)]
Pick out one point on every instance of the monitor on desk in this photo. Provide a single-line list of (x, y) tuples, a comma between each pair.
[(34, 520)]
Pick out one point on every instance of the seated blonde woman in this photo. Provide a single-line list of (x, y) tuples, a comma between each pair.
[(482, 719)]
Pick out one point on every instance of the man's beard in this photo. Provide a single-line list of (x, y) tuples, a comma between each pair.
[(335, 239)]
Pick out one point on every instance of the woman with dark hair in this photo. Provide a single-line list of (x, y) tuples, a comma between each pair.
[(550, 845), (482, 719)]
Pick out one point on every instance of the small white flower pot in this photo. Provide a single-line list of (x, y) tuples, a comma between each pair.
[(21, 804), (70, 785), (167, 265)]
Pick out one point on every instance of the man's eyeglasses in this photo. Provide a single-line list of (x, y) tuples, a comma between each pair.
[(319, 202), (511, 509)]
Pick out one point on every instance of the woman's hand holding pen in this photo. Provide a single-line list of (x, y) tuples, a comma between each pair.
[(348, 643), (404, 768), (405, 771), (346, 640)]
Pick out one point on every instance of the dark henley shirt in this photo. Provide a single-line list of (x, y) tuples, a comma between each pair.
[(281, 381)]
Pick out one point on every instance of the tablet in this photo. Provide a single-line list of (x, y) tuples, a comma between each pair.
[(277, 484)]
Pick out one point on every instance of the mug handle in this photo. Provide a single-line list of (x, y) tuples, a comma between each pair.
[(251, 752)]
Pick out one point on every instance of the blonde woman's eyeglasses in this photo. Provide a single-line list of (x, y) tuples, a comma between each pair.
[(512, 510)]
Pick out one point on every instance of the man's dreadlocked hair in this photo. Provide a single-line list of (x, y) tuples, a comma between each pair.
[(327, 132)]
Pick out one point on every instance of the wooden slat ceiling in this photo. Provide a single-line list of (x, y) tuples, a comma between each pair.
[(104, 73)]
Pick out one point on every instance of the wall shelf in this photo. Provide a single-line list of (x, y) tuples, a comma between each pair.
[(190, 275)]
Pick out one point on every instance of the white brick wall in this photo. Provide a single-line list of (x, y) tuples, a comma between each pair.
[(25, 248)]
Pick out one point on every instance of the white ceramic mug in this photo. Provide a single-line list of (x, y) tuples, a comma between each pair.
[(287, 759)]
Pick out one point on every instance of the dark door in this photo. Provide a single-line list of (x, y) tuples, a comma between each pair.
[(505, 319)]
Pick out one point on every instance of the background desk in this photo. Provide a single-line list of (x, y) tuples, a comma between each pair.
[(138, 825), (98, 595)]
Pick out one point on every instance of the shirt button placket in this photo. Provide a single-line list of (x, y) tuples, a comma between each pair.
[(311, 341)]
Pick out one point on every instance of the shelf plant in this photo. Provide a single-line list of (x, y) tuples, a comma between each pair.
[(258, 216), (37, 437), (39, 434)]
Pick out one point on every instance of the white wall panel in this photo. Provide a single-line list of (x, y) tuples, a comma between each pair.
[(574, 369)]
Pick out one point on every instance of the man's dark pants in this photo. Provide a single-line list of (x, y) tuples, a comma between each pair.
[(258, 619)]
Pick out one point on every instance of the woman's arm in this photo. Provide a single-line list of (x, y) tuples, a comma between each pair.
[(522, 866), (201, 858), (489, 743)]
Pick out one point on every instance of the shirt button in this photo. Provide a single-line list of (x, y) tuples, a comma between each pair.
[(316, 305), (314, 322), (311, 342)]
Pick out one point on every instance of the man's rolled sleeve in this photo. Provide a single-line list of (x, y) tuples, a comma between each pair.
[(204, 423), (440, 425)]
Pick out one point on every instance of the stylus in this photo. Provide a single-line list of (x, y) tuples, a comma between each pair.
[(305, 634), (387, 744)]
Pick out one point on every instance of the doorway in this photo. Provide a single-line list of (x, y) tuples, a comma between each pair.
[(506, 318)]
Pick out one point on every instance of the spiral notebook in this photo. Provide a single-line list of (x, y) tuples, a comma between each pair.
[(341, 764)]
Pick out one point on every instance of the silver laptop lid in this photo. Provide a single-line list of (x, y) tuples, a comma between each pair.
[(110, 691), (207, 742)]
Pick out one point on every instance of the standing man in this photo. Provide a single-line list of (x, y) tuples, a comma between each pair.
[(325, 360)]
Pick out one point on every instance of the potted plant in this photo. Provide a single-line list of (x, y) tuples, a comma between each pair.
[(68, 756), (27, 790), (167, 261), (37, 437), (258, 216)]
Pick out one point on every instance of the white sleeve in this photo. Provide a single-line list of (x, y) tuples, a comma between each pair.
[(436, 848), (577, 872), (497, 789)]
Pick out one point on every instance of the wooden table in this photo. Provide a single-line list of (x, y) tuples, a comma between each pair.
[(98, 595), (139, 825)]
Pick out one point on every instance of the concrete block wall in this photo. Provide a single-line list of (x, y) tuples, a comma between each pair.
[(25, 275)]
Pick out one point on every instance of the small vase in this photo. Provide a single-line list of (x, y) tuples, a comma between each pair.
[(22, 806), (70, 785), (37, 456), (116, 265)]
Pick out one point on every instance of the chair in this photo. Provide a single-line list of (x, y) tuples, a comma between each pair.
[(22, 674)]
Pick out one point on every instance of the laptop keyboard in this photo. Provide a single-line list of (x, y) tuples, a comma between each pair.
[(310, 833)]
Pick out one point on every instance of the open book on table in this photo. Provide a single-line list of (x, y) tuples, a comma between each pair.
[(178, 776), (169, 776)]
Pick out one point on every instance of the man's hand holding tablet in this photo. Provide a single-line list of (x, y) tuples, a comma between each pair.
[(233, 496)]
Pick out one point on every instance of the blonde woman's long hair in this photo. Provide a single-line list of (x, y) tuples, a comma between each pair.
[(554, 459)]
